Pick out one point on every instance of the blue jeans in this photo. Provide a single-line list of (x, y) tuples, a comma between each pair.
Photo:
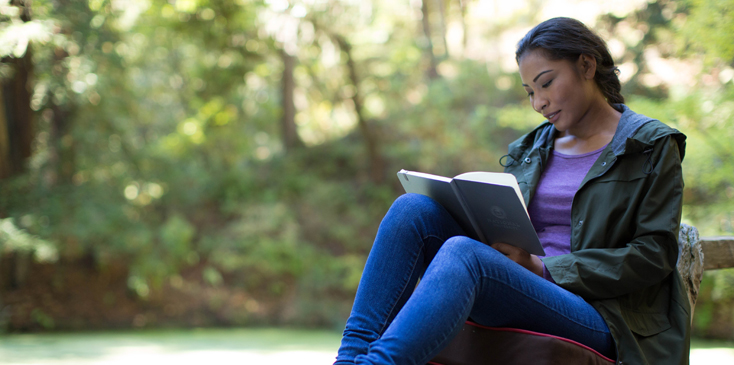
[(391, 323)]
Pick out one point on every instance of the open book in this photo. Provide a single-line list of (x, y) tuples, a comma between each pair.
[(487, 205)]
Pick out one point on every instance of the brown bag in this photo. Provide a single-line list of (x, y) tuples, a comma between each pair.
[(477, 344)]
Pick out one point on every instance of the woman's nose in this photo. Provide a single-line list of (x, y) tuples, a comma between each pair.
[(539, 104)]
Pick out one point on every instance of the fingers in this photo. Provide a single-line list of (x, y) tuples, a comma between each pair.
[(520, 256), (506, 249)]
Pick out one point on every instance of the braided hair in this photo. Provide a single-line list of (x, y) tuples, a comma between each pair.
[(566, 38)]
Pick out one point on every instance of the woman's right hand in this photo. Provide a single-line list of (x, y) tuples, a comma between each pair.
[(522, 257)]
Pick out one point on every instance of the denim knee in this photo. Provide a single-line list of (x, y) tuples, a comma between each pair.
[(460, 245), (416, 203), (459, 250), (472, 254)]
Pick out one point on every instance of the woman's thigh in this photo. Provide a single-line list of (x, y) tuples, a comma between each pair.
[(508, 295)]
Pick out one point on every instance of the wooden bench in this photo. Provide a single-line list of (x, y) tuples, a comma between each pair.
[(718, 252), (476, 344)]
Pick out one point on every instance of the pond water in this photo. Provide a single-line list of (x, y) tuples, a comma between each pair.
[(214, 346)]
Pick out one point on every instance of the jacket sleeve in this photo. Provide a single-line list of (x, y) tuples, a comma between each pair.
[(611, 269)]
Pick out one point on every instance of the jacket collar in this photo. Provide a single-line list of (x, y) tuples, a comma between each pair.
[(630, 122)]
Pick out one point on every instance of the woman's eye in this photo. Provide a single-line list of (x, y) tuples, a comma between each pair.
[(530, 93), (548, 83)]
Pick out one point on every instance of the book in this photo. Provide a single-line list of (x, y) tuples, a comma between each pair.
[(487, 205)]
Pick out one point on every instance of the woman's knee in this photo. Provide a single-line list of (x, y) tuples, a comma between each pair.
[(458, 248), (460, 245), (415, 204), (457, 257), (461, 248)]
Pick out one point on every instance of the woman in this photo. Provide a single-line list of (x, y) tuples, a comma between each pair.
[(604, 188)]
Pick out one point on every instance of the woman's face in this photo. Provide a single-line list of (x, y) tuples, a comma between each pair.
[(560, 90)]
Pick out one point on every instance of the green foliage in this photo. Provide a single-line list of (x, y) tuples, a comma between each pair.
[(176, 236), (13, 239), (16, 33), (714, 313), (43, 319), (710, 26)]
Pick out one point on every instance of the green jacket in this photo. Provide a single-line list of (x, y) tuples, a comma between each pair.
[(625, 218)]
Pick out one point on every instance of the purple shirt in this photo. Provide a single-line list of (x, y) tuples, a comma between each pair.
[(550, 208)]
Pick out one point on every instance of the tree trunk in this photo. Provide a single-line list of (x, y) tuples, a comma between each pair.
[(442, 11), (61, 157), (373, 154), (16, 116), (6, 163), (432, 68), (462, 4), (291, 140), (63, 142)]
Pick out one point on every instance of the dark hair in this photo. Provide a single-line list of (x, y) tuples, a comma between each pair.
[(567, 39)]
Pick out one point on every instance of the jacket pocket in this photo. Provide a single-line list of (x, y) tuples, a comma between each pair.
[(646, 312), (646, 324)]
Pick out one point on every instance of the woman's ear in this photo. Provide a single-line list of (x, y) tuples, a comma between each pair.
[(587, 66)]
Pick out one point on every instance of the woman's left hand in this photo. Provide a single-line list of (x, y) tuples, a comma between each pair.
[(522, 257)]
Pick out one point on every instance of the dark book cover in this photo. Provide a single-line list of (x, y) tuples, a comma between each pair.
[(487, 205)]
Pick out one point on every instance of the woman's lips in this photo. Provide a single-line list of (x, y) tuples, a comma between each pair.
[(553, 117)]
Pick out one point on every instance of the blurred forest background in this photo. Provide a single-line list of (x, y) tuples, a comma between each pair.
[(226, 163)]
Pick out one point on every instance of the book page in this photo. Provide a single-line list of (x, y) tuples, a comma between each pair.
[(497, 178), (426, 176), (439, 189)]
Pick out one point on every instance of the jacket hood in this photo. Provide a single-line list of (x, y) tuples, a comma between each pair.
[(629, 124), (632, 136)]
